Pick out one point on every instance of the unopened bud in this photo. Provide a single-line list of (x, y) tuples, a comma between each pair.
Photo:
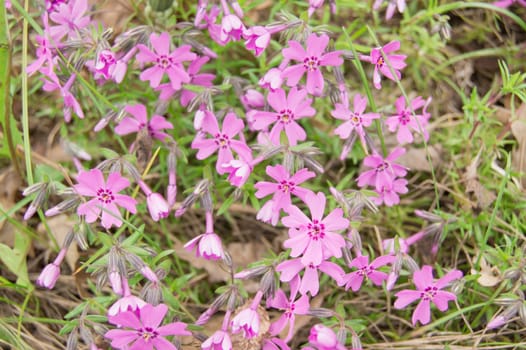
[(320, 312)]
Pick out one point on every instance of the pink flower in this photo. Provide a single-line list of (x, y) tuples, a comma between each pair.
[(165, 62), (291, 307), (272, 80), (355, 279), (316, 239), (427, 291), (238, 171), (314, 5), (324, 338), (275, 344), (106, 197), (252, 99), (383, 172), (282, 189), (220, 340), (384, 63), (309, 283), (388, 193), (311, 60), (70, 18), (157, 206), (49, 275), (391, 6), (257, 39), (231, 28), (51, 5), (222, 141), (208, 244), (70, 102), (356, 120), (248, 322), (144, 331), (508, 3), (288, 109), (137, 119), (126, 303), (406, 120), (105, 64)]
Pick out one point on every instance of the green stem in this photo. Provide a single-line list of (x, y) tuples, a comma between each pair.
[(25, 104)]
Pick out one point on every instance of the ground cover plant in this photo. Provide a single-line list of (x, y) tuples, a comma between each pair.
[(263, 174)]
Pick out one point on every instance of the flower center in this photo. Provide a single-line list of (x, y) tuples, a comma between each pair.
[(382, 167), (365, 270), (164, 61), (316, 230), (286, 186), (286, 116), (380, 62), (147, 333), (355, 119), (222, 141), (290, 310), (404, 117), (105, 196), (429, 293), (311, 63)]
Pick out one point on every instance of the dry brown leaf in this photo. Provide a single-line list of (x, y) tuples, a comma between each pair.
[(60, 226), (10, 183), (416, 158), (483, 196), (489, 276)]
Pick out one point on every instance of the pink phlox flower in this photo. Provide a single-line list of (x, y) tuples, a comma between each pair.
[(406, 120), (310, 60), (257, 39), (290, 306), (222, 141), (272, 79), (324, 338), (106, 197), (50, 274), (126, 303), (220, 340), (275, 344), (137, 119), (356, 120), (214, 29), (52, 82), (314, 238), (238, 170), (382, 63), (105, 64), (165, 62), (427, 291), (384, 171), (45, 51), (508, 3), (388, 193), (252, 99), (70, 18), (391, 6), (365, 270), (203, 117), (232, 28), (144, 331), (247, 320), (208, 246), (51, 5), (314, 5), (157, 206), (309, 283), (285, 186), (288, 109)]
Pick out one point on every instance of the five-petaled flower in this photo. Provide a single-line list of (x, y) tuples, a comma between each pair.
[(137, 119), (106, 197), (427, 291), (383, 63), (144, 331), (406, 120), (311, 60), (365, 270), (356, 120)]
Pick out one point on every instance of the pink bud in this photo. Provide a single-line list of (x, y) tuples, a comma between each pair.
[(323, 337), (246, 321), (157, 206), (272, 80), (49, 276)]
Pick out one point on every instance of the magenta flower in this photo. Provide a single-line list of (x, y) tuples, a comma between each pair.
[(105, 64), (291, 307), (383, 172), (70, 102), (257, 39), (406, 120), (231, 28), (282, 189), (144, 331), (137, 119), (391, 6), (288, 109), (310, 282), (70, 19), (388, 193), (311, 60), (222, 141), (356, 120), (427, 291), (316, 239), (365, 270), (382, 63), (106, 197), (508, 3), (165, 62), (220, 340)]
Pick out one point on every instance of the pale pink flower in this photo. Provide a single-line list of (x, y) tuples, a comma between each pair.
[(51, 83), (406, 120), (106, 197), (247, 321), (49, 275), (165, 62), (384, 171), (70, 18), (126, 303), (316, 238), (356, 120), (388, 193), (324, 338), (272, 79), (391, 6), (288, 109), (157, 206), (427, 291), (222, 141), (310, 283), (231, 28), (314, 5), (508, 3), (144, 331), (238, 171), (311, 60), (220, 340), (291, 307), (282, 189), (257, 39), (365, 270), (252, 99), (51, 5), (137, 119), (208, 244), (384, 63)]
